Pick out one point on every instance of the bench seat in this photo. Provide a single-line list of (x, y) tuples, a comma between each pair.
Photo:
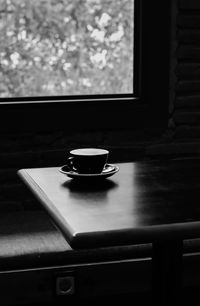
[(33, 251), (28, 239)]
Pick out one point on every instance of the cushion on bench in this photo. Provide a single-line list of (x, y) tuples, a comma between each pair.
[(28, 239)]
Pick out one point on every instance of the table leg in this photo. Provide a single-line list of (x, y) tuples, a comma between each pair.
[(167, 272)]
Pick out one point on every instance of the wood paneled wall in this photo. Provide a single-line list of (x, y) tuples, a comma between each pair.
[(182, 138)]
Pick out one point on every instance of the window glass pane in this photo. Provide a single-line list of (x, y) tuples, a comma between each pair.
[(66, 47)]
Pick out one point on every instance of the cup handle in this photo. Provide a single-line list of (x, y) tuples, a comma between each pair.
[(69, 162)]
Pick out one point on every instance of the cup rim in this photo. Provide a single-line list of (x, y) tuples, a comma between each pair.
[(80, 152)]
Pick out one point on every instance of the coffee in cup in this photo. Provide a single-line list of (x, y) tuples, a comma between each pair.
[(87, 160)]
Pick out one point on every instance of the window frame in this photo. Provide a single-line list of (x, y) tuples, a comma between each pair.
[(148, 107)]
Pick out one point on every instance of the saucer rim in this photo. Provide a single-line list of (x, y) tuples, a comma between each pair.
[(102, 174)]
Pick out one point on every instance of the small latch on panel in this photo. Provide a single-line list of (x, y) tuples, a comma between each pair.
[(65, 285)]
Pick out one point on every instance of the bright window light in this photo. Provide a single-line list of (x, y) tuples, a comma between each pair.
[(66, 47)]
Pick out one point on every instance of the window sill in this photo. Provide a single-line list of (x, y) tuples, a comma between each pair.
[(78, 115)]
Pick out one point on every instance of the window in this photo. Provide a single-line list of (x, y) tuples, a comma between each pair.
[(66, 47), (146, 106)]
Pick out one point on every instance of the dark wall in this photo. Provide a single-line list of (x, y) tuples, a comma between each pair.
[(183, 133), (186, 114)]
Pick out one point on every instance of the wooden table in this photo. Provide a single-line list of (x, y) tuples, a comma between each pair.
[(156, 202)]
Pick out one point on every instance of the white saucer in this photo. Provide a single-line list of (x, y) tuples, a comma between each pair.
[(107, 171)]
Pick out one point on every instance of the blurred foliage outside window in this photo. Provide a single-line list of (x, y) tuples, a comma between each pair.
[(66, 47)]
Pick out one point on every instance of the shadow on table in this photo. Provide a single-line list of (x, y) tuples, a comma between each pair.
[(90, 185)]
